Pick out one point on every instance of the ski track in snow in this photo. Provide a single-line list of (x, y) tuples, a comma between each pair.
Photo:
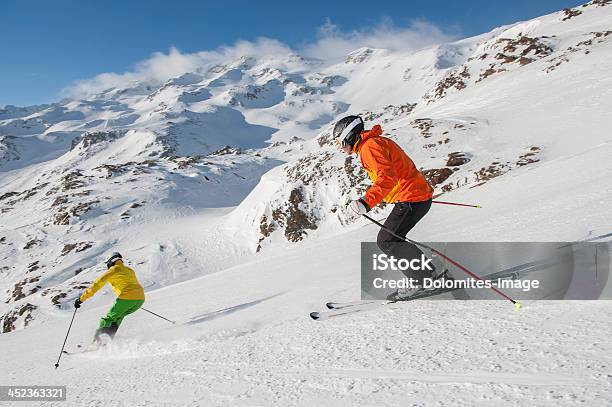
[(544, 353)]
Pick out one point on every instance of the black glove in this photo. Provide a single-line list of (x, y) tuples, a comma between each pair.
[(77, 303)]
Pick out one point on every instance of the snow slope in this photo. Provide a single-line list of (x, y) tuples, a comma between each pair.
[(244, 338), (239, 243)]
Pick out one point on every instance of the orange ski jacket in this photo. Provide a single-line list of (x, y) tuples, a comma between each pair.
[(394, 176)]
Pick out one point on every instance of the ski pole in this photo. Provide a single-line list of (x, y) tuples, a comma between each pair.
[(157, 315), (517, 304), (65, 339), (456, 204)]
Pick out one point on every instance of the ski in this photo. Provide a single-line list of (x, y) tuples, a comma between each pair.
[(368, 305), (81, 349), (103, 341), (343, 308), (340, 305), (334, 312)]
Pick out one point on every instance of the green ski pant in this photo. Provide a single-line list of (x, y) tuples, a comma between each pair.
[(119, 310)]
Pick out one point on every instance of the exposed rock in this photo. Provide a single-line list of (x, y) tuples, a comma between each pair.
[(266, 228), (506, 59), (596, 35), (494, 170), (226, 150), (33, 266), (185, 162), (424, 125), (456, 159), (30, 244), (18, 290), (354, 173), (525, 45), (112, 170), (22, 196), (293, 218), (62, 217), (453, 80), (89, 139), (309, 90), (72, 180), (8, 195), (326, 138), (359, 56), (79, 247), (437, 176), (288, 215), (598, 3), (570, 13), (309, 168), (335, 80), (9, 318), (529, 157), (56, 299), (60, 200), (488, 72), (582, 46), (391, 112)]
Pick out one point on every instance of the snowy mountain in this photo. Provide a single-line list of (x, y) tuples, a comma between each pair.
[(219, 185), (118, 168)]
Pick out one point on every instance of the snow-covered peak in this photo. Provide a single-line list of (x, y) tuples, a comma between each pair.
[(363, 55)]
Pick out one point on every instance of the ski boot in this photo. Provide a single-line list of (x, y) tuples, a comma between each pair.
[(443, 276), (403, 294), (104, 336)]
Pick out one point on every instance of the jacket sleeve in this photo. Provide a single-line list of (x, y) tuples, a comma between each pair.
[(376, 159), (96, 285)]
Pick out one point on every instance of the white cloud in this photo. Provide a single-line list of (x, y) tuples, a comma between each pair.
[(161, 67), (332, 44)]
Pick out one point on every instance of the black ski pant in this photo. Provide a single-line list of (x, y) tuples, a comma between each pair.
[(402, 219)]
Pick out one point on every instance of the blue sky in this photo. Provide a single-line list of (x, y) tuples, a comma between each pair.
[(46, 46)]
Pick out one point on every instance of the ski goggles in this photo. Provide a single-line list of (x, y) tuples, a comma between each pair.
[(340, 142)]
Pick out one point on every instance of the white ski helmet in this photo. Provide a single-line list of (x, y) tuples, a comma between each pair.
[(113, 258), (348, 130)]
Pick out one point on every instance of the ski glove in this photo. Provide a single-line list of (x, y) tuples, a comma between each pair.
[(359, 207), (77, 303)]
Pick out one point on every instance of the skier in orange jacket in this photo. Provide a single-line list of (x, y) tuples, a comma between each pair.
[(395, 180)]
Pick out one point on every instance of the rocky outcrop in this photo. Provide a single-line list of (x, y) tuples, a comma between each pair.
[(90, 139), (21, 314)]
